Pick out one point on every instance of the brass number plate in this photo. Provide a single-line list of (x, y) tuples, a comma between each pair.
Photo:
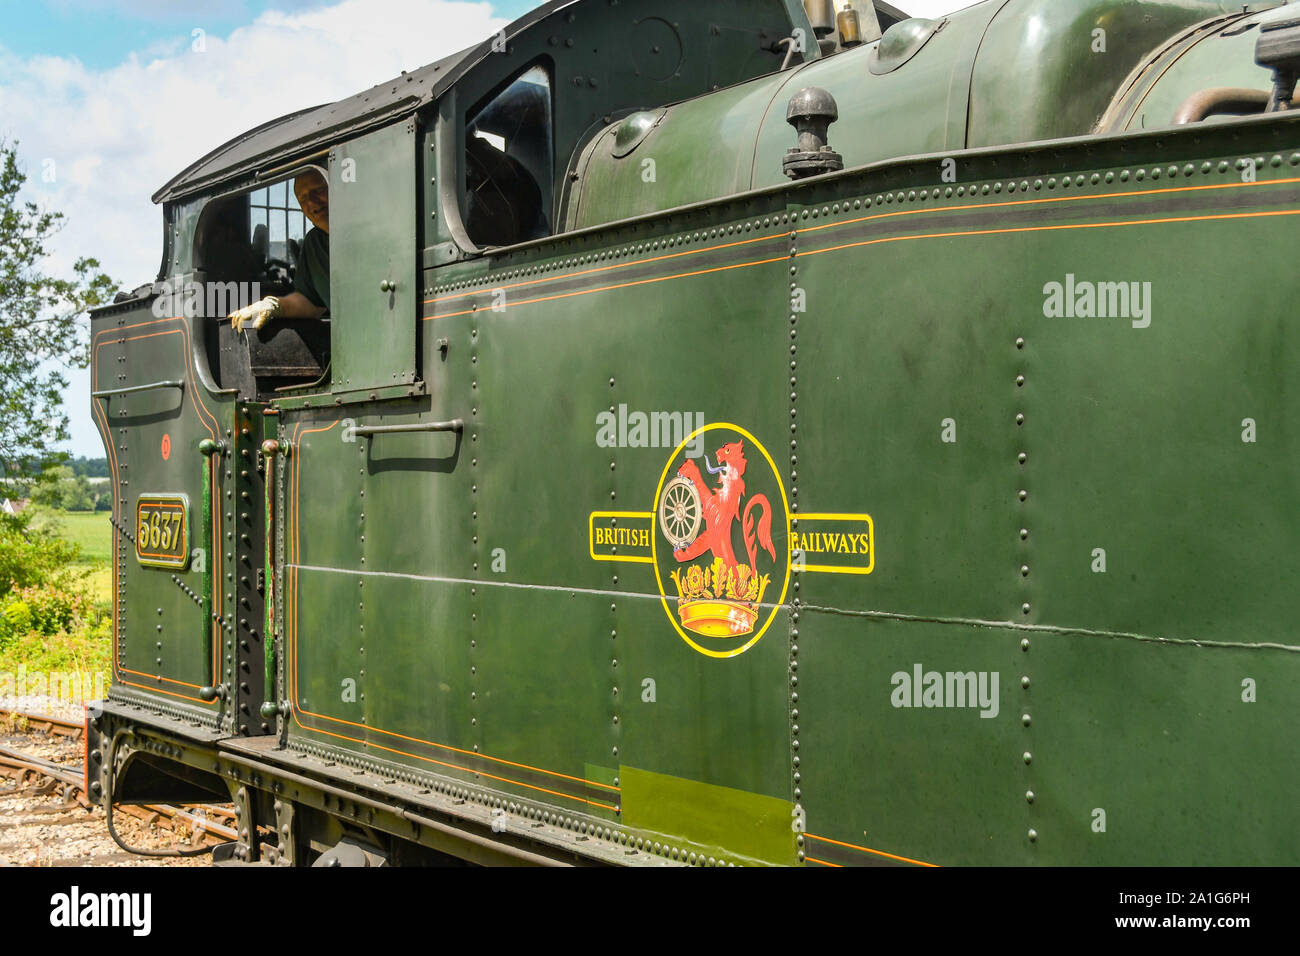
[(162, 537)]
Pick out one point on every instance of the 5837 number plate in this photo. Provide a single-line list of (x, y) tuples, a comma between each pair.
[(162, 537)]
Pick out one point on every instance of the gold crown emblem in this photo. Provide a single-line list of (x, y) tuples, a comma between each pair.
[(718, 600)]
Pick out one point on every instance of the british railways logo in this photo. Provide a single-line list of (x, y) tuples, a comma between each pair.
[(722, 540), (714, 545)]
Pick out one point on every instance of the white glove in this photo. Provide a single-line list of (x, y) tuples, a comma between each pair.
[(256, 315)]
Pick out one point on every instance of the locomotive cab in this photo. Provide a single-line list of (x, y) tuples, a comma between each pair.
[(247, 245)]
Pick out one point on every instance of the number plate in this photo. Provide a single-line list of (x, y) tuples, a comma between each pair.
[(162, 531)]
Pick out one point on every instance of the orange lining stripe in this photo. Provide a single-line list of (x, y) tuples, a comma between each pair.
[(858, 219), (620, 285), (888, 239), (854, 846), (1063, 226), (811, 859), (443, 763), (1048, 199), (620, 265), (293, 643)]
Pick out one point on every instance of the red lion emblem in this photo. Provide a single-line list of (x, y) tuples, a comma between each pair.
[(721, 507)]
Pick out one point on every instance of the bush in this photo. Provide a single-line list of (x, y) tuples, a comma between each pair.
[(48, 621), (42, 609), (15, 620), (29, 558)]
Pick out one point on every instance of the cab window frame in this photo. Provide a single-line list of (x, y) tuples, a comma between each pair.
[(452, 140)]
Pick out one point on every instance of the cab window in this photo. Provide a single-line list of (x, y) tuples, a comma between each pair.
[(276, 224), (249, 245), (509, 163), (252, 237)]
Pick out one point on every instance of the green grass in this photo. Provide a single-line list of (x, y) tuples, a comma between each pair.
[(88, 648), (89, 530), (92, 533)]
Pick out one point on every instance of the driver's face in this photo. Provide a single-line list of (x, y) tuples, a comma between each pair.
[(313, 197)]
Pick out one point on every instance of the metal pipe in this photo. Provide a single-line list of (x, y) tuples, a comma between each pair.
[(109, 392), (210, 450), (270, 448), (455, 425), (1218, 100), (110, 785), (790, 51)]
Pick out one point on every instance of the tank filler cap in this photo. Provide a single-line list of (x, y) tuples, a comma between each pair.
[(811, 112), (901, 42)]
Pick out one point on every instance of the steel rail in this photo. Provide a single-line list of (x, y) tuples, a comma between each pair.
[(45, 723), (72, 776)]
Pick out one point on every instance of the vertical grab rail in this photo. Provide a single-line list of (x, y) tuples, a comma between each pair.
[(210, 450), (271, 639)]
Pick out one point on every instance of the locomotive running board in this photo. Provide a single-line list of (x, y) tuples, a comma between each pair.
[(419, 813)]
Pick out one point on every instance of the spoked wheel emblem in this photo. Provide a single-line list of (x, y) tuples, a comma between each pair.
[(679, 512)]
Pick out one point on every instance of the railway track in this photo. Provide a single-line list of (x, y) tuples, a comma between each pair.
[(47, 819)]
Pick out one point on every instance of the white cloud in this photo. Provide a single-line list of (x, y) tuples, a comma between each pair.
[(117, 134)]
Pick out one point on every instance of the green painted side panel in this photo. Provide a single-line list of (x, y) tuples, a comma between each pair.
[(1160, 739), (720, 721), (543, 690), (417, 663), (491, 601), (319, 669), (743, 823), (898, 782), (373, 243), (877, 393), (1192, 519), (1045, 72)]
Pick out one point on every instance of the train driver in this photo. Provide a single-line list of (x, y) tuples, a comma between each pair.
[(310, 298)]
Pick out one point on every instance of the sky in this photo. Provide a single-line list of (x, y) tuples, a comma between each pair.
[(101, 97)]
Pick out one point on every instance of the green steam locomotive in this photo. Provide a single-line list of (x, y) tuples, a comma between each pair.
[(753, 432)]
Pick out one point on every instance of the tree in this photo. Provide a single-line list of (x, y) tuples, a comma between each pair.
[(90, 467), (50, 486), (40, 332), (77, 495)]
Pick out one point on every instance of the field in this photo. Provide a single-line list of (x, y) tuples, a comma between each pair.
[(31, 661), (92, 533)]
